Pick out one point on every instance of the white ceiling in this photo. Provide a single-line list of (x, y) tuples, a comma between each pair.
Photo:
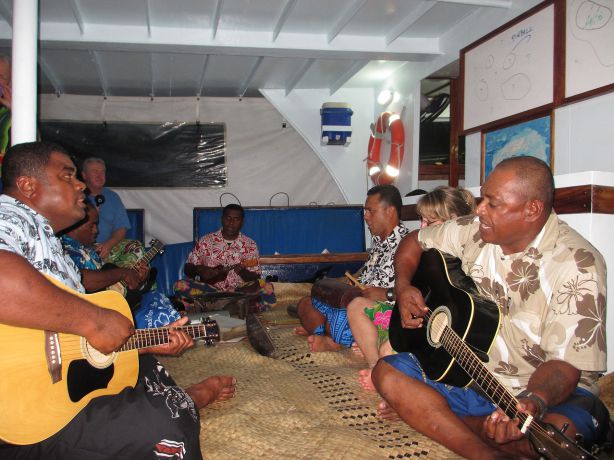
[(234, 47)]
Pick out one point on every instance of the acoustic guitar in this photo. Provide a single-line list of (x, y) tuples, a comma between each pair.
[(49, 377), (454, 342)]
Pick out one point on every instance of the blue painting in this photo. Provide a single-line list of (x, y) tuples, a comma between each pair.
[(530, 138)]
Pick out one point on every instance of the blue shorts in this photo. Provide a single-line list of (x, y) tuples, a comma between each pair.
[(337, 319), (584, 409)]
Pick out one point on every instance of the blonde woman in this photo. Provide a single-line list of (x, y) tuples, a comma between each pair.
[(368, 321)]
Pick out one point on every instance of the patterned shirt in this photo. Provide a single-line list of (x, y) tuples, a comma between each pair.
[(213, 250), (379, 268), (82, 256), (552, 297), (25, 232)]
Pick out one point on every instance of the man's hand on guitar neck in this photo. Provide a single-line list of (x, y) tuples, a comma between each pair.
[(178, 341)]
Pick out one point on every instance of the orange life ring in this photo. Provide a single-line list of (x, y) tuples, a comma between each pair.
[(386, 173)]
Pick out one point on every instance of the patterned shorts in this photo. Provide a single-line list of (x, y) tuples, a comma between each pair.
[(380, 314)]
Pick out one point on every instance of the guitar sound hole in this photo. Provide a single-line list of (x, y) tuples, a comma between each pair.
[(83, 379)]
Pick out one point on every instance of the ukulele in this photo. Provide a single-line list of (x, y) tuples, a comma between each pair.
[(453, 345), (55, 375), (134, 295)]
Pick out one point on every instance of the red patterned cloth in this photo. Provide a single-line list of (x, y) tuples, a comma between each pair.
[(213, 250)]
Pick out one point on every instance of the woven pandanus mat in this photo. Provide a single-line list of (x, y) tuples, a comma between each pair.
[(290, 293), (303, 405)]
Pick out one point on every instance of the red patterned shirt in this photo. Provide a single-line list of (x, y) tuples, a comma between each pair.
[(213, 250)]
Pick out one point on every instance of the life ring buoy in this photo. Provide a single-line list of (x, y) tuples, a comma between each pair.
[(386, 173)]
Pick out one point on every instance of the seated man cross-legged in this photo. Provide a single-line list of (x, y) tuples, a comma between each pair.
[(369, 326), (225, 261), (327, 325), (549, 284), (43, 197)]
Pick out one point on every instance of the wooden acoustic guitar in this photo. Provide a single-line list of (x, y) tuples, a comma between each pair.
[(48, 378), (458, 333)]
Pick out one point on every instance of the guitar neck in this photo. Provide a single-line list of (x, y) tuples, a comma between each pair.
[(476, 369), (144, 338), (147, 257)]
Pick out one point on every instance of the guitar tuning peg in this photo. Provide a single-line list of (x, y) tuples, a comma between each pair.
[(564, 427)]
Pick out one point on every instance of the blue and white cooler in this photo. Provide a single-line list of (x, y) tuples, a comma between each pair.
[(336, 123)]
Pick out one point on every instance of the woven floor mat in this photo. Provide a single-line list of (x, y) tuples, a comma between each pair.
[(303, 405)]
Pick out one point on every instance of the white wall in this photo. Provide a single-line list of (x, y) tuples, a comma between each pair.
[(346, 164)]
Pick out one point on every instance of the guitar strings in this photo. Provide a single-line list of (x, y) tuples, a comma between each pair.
[(71, 346), (446, 332)]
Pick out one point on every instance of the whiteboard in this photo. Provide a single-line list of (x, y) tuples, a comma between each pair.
[(511, 72), (589, 55)]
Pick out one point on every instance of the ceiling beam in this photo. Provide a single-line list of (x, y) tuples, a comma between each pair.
[(346, 17), (51, 76), (353, 70), (201, 84), (76, 11), (507, 4), (148, 17), (250, 76), (285, 12), (101, 76), (291, 84), (408, 21), (234, 43), (215, 18)]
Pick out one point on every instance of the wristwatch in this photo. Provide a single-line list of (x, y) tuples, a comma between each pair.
[(390, 294), (542, 407)]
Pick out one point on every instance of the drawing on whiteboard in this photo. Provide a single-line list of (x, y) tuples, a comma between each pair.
[(516, 87), (512, 71), (594, 25), (512, 87)]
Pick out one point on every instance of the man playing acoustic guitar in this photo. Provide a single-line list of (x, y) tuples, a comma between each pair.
[(225, 261), (42, 197), (549, 284)]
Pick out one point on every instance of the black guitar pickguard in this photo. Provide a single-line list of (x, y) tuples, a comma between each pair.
[(83, 378)]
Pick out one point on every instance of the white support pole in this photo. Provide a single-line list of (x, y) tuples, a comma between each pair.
[(25, 37)]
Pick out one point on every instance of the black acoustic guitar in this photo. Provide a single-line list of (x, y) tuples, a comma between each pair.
[(453, 345)]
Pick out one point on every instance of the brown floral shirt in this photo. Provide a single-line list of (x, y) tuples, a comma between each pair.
[(552, 297)]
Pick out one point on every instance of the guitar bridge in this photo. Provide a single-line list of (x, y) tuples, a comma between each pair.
[(53, 355)]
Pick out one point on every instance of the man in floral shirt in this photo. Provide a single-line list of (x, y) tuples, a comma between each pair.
[(326, 325), (226, 261), (549, 284)]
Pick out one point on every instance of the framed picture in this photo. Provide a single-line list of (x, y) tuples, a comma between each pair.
[(528, 138)]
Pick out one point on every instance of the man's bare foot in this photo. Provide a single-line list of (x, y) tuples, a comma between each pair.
[(364, 378), (216, 388), (300, 330), (356, 349), (385, 412), (322, 343)]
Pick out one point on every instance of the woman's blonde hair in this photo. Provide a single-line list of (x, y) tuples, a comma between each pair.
[(445, 203)]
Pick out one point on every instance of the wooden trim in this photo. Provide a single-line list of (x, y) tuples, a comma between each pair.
[(579, 199), (313, 258), (436, 172)]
